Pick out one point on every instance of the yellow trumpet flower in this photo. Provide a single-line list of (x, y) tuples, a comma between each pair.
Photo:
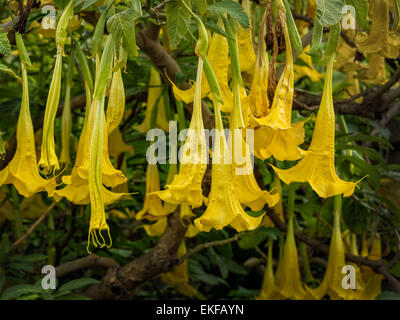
[(152, 206), (269, 277), (223, 206), (117, 147), (247, 57), (186, 185), (275, 129), (179, 276), (318, 166), (154, 97), (288, 283), (371, 279), (380, 40), (218, 56), (116, 102), (307, 71), (22, 171)]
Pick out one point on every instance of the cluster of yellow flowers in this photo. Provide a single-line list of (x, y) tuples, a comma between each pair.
[(275, 135)]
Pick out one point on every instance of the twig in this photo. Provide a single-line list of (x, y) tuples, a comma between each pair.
[(83, 263), (206, 245), (33, 227)]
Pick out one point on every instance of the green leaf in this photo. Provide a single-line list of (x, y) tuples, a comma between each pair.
[(329, 12), (77, 283), (137, 7), (19, 290), (178, 22), (361, 7), (88, 3), (210, 25), (201, 5), (29, 258), (364, 137), (369, 152), (5, 47), (122, 28), (231, 8), (388, 295), (6, 69)]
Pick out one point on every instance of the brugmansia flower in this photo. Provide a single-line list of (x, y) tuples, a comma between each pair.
[(22, 171), (372, 281), (116, 102), (179, 276), (247, 57), (152, 207), (48, 161), (288, 283), (186, 185), (380, 40), (66, 118), (307, 71), (218, 56), (117, 147), (275, 129), (332, 282), (154, 98), (269, 278), (318, 166), (223, 206)]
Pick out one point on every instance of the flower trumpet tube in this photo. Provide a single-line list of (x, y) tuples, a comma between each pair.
[(116, 102), (154, 99), (22, 171), (380, 40), (186, 185), (288, 280), (332, 282), (247, 57), (66, 118), (318, 166), (275, 129), (308, 70), (223, 206), (48, 161), (269, 278)]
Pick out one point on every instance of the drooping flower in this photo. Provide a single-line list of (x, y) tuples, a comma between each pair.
[(223, 207), (288, 283), (372, 280), (269, 277), (66, 118), (22, 171), (318, 166), (247, 57), (186, 185), (116, 102), (331, 285), (48, 161), (154, 99), (376, 71), (218, 56), (380, 40), (275, 129), (152, 206)]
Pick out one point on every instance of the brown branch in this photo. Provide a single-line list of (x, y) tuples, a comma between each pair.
[(377, 265), (206, 245), (33, 227), (119, 282), (83, 263)]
